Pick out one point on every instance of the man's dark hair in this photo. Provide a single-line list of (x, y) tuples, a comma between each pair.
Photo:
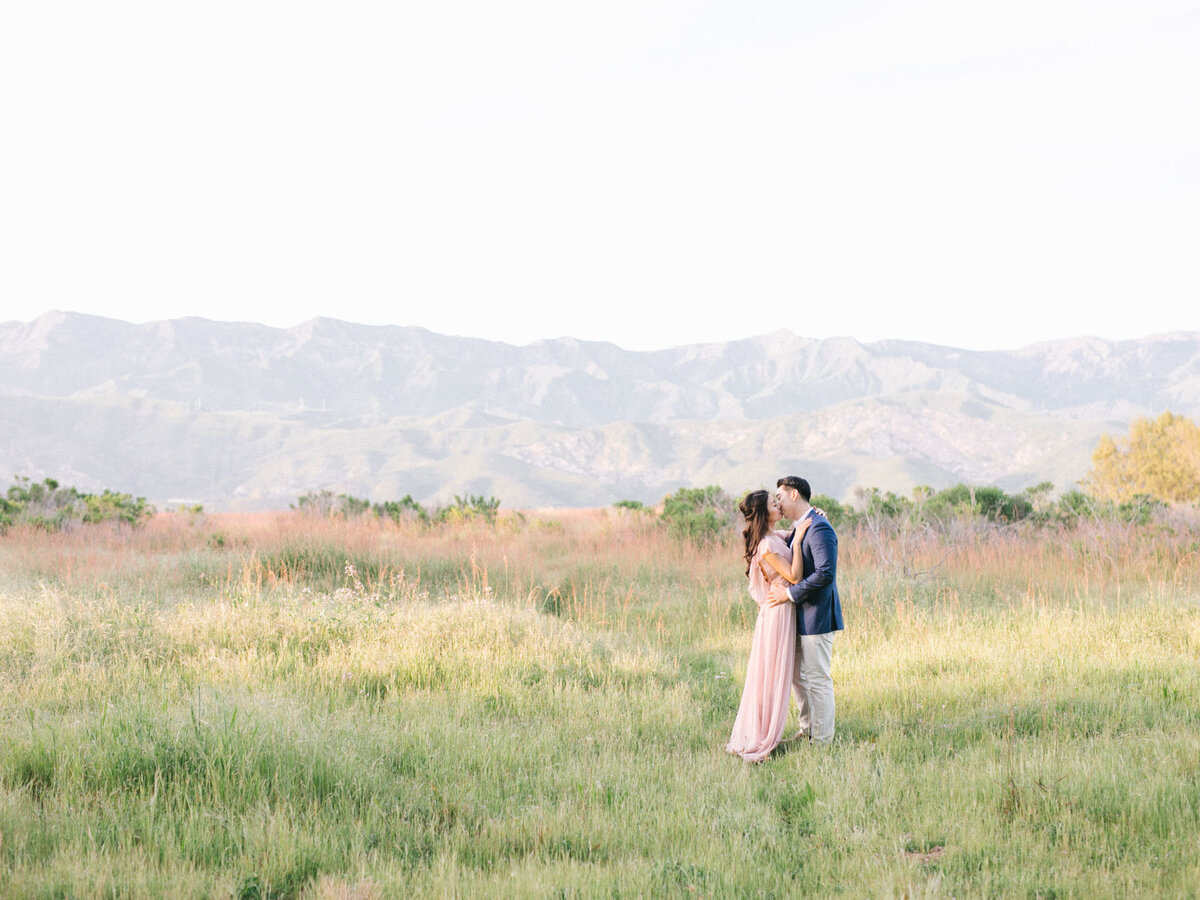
[(796, 483)]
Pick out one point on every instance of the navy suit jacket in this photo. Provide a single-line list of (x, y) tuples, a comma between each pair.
[(818, 609)]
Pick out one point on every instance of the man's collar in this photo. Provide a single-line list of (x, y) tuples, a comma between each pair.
[(796, 524)]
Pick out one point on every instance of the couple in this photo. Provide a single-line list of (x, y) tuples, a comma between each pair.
[(793, 579)]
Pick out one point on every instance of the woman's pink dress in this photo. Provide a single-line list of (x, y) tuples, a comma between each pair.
[(763, 713)]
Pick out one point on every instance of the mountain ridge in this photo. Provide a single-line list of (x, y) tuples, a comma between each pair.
[(242, 415)]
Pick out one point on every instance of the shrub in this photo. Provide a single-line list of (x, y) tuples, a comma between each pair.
[(404, 509), (116, 507), (50, 506), (938, 510), (353, 506), (464, 509), (698, 515), (878, 505), (468, 509), (320, 503), (990, 502), (326, 503), (1075, 506), (839, 514)]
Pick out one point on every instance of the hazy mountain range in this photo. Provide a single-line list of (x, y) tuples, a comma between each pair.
[(241, 416)]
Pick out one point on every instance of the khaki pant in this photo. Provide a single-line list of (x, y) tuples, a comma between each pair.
[(812, 685)]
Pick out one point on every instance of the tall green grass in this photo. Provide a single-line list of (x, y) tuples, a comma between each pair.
[(310, 708)]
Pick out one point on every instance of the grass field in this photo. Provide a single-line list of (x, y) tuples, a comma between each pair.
[(281, 706)]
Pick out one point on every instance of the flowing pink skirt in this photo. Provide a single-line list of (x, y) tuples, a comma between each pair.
[(762, 715)]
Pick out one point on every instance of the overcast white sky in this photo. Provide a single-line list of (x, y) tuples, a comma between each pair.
[(651, 173)]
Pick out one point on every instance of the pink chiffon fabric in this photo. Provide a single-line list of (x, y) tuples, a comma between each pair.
[(762, 715)]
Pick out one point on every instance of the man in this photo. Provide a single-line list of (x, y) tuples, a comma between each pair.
[(818, 609)]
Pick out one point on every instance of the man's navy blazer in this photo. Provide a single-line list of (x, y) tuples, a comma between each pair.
[(818, 608)]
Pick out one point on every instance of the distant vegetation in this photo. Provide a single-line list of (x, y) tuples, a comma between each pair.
[(949, 508), (1157, 464), (52, 507), (471, 508), (702, 515), (1133, 477)]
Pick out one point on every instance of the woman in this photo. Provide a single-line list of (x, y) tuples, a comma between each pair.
[(763, 713)]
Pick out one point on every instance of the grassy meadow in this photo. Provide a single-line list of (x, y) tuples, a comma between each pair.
[(277, 706)]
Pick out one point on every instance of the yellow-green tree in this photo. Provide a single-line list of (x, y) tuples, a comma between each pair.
[(1160, 458)]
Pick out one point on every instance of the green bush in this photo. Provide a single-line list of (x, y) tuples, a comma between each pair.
[(879, 505), (990, 502), (1075, 506), (839, 514), (8, 510), (938, 509), (404, 509), (326, 503), (468, 509), (113, 506), (50, 506), (698, 515)]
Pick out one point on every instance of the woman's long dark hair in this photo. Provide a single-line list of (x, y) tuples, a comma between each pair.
[(754, 508)]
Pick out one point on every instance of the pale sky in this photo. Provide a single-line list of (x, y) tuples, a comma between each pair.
[(983, 175)]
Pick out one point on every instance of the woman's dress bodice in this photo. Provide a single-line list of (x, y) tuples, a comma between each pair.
[(773, 543)]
